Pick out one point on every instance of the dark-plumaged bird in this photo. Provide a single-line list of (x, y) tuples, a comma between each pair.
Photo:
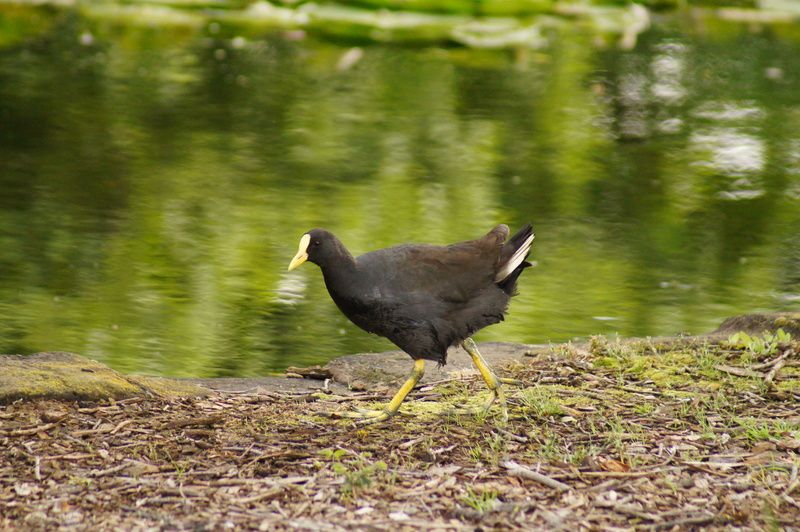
[(423, 298)]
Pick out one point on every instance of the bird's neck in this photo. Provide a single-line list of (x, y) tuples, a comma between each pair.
[(339, 270)]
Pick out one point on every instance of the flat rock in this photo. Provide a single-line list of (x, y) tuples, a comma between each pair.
[(67, 376), (382, 371)]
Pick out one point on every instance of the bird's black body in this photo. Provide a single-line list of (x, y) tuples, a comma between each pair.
[(424, 298)]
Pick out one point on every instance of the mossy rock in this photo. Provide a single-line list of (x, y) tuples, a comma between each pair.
[(66, 376), (756, 324)]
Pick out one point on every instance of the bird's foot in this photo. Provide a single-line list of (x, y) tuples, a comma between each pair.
[(510, 381), (364, 416), (484, 410), (497, 395)]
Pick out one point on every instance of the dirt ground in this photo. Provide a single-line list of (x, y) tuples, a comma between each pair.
[(604, 436)]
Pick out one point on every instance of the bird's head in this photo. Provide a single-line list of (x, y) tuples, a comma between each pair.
[(318, 246)]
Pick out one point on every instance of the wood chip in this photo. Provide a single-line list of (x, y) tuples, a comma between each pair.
[(524, 472)]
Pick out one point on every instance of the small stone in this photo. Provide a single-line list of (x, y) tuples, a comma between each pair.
[(36, 518), (86, 38), (24, 489), (72, 518), (774, 73), (51, 416)]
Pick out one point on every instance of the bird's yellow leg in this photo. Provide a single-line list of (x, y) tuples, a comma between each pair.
[(376, 416), (491, 380)]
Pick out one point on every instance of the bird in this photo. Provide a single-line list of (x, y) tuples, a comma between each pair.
[(424, 298)]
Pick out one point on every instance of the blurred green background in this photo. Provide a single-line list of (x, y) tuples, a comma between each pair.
[(159, 164)]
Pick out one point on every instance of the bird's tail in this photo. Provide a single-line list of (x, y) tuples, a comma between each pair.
[(512, 259)]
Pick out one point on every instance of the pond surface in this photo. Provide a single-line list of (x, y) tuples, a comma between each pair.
[(154, 183)]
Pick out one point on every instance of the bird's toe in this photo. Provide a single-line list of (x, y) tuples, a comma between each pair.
[(365, 416), (380, 418)]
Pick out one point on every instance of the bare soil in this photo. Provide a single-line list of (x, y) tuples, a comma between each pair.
[(606, 436)]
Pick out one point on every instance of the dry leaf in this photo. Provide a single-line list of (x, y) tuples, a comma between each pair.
[(609, 464)]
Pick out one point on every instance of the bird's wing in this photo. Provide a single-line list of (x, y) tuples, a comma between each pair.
[(447, 273)]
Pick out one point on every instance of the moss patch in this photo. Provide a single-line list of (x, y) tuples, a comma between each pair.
[(67, 376)]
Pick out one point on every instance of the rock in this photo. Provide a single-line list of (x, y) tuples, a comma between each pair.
[(759, 323), (386, 371), (269, 384), (311, 372), (67, 376)]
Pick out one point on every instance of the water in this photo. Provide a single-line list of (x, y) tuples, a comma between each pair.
[(154, 183)]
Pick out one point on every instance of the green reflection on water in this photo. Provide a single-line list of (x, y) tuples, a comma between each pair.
[(154, 184)]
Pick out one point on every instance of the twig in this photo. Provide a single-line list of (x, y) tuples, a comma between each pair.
[(603, 486), (790, 501), (208, 420), (29, 431), (410, 443), (628, 509), (739, 372), (272, 492), (638, 391), (770, 376), (251, 481), (110, 470), (521, 439), (70, 456), (121, 425), (246, 451), (692, 520), (524, 472), (613, 474), (786, 354)]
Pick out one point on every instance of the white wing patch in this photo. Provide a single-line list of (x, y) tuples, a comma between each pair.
[(515, 260)]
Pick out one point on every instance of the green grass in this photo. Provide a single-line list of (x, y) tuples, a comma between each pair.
[(541, 401), (482, 501)]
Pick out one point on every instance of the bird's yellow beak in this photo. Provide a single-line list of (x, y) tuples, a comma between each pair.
[(302, 254)]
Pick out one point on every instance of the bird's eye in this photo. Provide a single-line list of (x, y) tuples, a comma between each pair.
[(316, 242)]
